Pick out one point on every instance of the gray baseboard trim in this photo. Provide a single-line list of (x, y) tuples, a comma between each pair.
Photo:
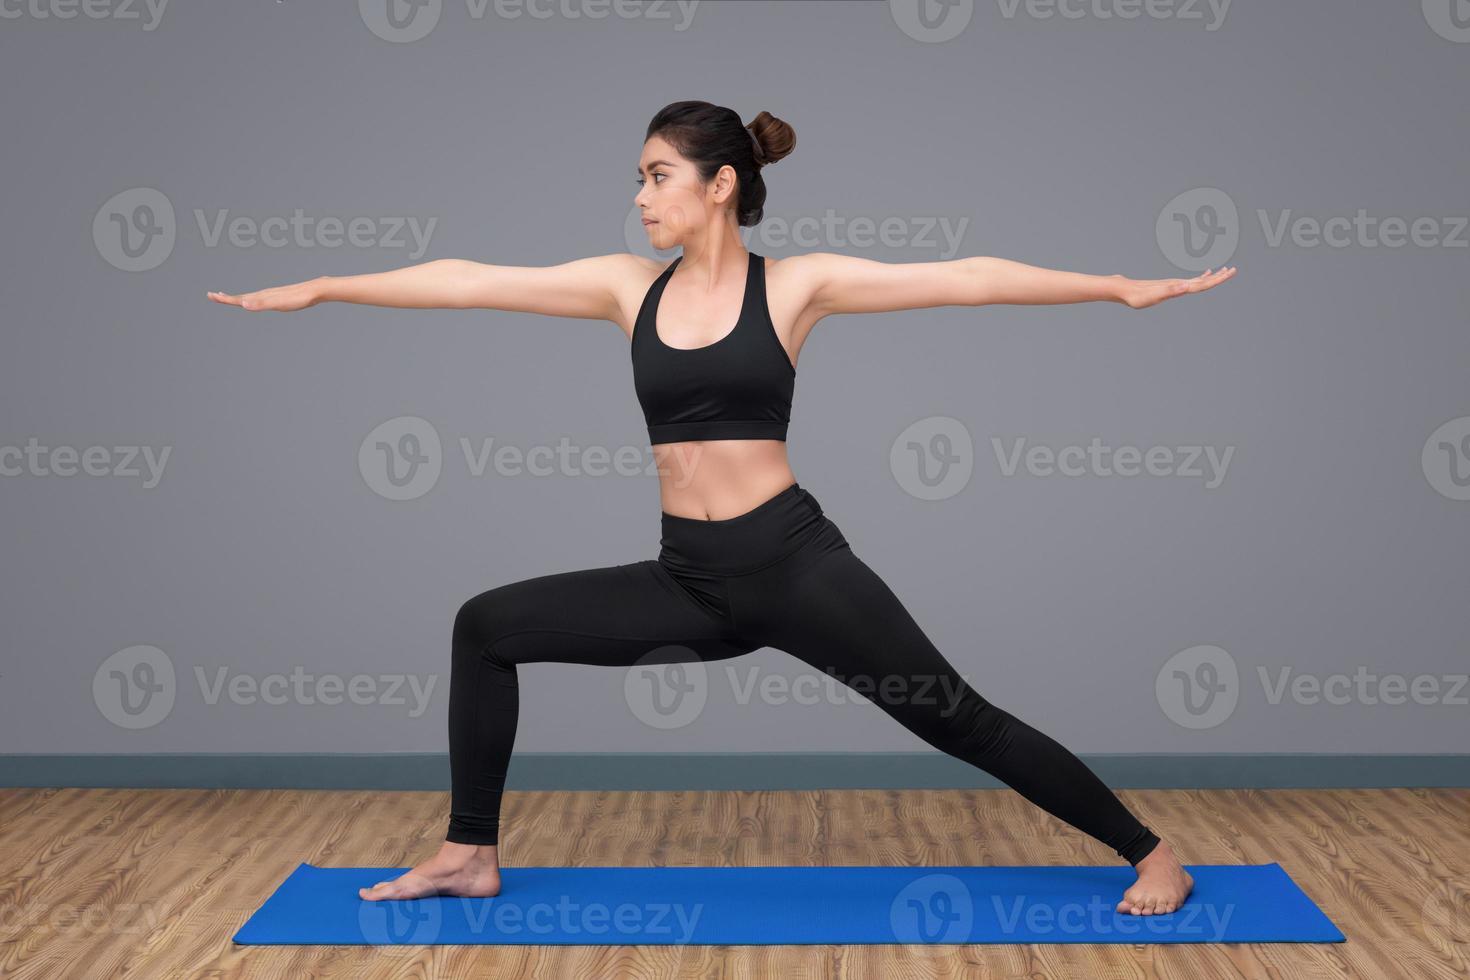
[(718, 770)]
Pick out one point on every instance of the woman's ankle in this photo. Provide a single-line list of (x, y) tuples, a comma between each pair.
[(1160, 852), (461, 855)]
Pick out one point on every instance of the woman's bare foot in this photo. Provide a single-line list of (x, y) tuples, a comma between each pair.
[(1162, 884), (458, 869)]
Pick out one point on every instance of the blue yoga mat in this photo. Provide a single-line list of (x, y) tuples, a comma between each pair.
[(789, 905)]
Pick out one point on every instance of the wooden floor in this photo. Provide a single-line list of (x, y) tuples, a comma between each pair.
[(153, 883)]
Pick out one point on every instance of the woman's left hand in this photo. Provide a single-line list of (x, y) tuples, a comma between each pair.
[(1140, 293)]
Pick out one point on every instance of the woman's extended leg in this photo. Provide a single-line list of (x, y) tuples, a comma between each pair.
[(616, 616), (837, 615)]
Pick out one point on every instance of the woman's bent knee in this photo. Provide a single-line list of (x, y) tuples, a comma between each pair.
[(481, 621)]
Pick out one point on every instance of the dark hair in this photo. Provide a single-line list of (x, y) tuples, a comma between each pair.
[(711, 136)]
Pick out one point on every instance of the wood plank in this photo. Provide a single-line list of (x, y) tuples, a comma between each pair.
[(152, 883)]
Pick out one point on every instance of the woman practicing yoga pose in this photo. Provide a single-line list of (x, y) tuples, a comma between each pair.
[(747, 558)]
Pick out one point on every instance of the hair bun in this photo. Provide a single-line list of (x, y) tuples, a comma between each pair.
[(755, 143), (773, 138)]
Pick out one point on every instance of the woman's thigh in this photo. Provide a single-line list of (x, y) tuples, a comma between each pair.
[(617, 615), (836, 614)]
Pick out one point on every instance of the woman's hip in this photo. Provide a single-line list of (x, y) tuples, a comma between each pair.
[(772, 531)]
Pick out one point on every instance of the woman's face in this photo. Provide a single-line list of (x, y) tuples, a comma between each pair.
[(676, 205)]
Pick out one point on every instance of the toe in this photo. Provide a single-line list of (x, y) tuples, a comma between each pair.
[(383, 890)]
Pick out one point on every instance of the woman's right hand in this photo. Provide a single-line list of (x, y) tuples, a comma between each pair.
[(279, 299)]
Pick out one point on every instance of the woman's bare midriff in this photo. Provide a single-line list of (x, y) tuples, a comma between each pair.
[(716, 479)]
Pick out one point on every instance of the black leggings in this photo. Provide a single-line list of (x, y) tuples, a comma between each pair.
[(782, 576)]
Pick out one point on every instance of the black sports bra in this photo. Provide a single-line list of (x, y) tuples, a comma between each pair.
[(738, 387)]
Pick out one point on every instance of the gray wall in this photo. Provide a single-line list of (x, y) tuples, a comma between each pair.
[(1152, 613)]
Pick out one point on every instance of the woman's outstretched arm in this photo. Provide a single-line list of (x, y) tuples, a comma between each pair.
[(586, 288), (848, 284)]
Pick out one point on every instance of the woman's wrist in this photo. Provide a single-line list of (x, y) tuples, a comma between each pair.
[(1120, 289), (321, 289)]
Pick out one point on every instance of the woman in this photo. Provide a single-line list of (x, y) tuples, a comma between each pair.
[(747, 558)]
